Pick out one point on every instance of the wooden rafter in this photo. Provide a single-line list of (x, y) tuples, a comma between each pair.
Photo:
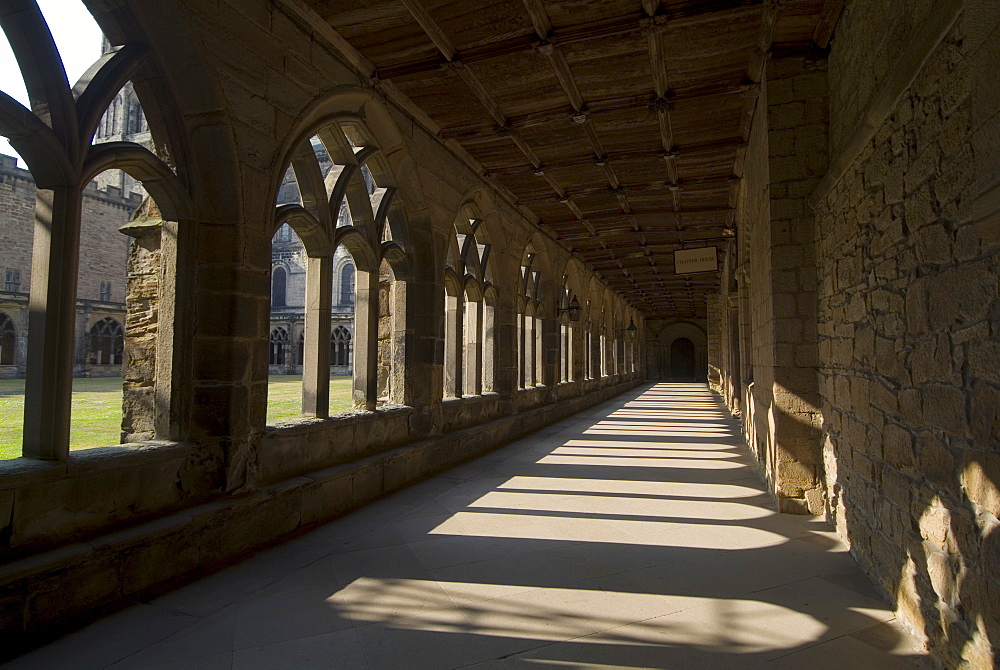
[(578, 34)]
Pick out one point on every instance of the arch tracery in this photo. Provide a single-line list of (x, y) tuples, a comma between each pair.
[(345, 199)]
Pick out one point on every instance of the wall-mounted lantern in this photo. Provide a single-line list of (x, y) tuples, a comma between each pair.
[(573, 309)]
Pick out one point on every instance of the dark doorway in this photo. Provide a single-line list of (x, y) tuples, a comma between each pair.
[(682, 359)]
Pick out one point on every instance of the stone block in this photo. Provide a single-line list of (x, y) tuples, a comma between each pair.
[(897, 488), (984, 360), (962, 294), (79, 586), (787, 115), (985, 424), (933, 244), (897, 448), (159, 560), (980, 479), (944, 409), (916, 306), (327, 496), (367, 482)]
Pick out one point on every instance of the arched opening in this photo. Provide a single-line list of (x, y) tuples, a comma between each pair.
[(107, 343), (278, 347), (340, 350), (682, 363), (93, 194), (8, 340)]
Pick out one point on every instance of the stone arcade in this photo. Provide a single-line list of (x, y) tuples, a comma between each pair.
[(499, 162)]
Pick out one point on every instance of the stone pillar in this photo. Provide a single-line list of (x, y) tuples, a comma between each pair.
[(489, 347), (520, 372), (423, 382), (783, 288), (505, 338), (386, 344), (142, 317), (473, 348), (576, 352), (453, 345), (714, 325), (316, 353), (366, 316), (49, 384)]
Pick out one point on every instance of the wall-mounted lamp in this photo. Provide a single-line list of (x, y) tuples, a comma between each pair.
[(632, 330), (573, 309)]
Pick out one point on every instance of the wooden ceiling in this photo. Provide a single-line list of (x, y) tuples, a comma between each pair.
[(621, 124)]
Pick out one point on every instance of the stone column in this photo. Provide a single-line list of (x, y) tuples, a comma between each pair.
[(714, 323), (366, 317), (786, 419), (142, 315), (489, 347), (316, 353), (453, 346), (55, 263), (473, 348)]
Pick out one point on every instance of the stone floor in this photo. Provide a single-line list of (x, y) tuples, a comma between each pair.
[(633, 535)]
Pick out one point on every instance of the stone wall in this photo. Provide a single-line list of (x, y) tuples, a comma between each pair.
[(17, 220), (104, 251), (909, 315)]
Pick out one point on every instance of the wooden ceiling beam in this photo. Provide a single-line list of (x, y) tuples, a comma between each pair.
[(539, 17), (828, 18), (596, 109), (642, 219), (689, 184), (583, 32), (687, 151), (431, 28), (443, 43), (557, 60)]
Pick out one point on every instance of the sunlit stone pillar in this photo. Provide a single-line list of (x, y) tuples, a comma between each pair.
[(366, 316), (316, 354)]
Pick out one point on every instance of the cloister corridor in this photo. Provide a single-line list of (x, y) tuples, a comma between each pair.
[(636, 534)]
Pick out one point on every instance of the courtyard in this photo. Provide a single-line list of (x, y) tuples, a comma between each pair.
[(97, 408)]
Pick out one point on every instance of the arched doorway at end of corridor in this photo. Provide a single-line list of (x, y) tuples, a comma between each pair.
[(676, 351)]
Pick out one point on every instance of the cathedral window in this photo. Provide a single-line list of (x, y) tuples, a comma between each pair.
[(347, 285), (12, 280), (105, 291), (279, 279), (135, 118)]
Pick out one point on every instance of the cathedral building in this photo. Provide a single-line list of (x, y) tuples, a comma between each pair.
[(100, 305)]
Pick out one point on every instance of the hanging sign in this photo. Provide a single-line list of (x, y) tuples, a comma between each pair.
[(688, 261)]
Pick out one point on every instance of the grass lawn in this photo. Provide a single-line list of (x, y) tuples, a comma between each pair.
[(284, 396), (97, 409)]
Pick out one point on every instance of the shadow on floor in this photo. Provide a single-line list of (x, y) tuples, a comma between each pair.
[(582, 546)]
